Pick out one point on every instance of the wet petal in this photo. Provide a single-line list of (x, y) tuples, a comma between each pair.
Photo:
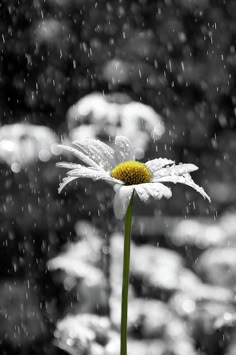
[(121, 200), (79, 171), (100, 153), (174, 170), (124, 150), (157, 164), (155, 190), (64, 182), (80, 155), (183, 179), (67, 165), (94, 174)]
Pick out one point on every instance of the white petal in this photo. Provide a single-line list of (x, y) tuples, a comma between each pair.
[(80, 155), (174, 170), (67, 165), (64, 182), (80, 171), (186, 180), (121, 200), (124, 150), (155, 190), (94, 174), (157, 164), (97, 151)]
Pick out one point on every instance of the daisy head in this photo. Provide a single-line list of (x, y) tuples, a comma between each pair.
[(117, 166)]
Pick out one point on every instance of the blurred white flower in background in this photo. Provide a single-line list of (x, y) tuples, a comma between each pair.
[(22, 144), (197, 233), (83, 334), (106, 116), (78, 267), (117, 166)]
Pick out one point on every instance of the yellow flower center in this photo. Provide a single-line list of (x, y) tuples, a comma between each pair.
[(131, 173)]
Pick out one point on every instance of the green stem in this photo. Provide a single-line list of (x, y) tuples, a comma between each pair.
[(125, 286)]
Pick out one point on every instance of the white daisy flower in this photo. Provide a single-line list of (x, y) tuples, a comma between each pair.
[(117, 166)]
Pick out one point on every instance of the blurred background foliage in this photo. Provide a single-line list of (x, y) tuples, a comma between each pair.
[(163, 73)]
